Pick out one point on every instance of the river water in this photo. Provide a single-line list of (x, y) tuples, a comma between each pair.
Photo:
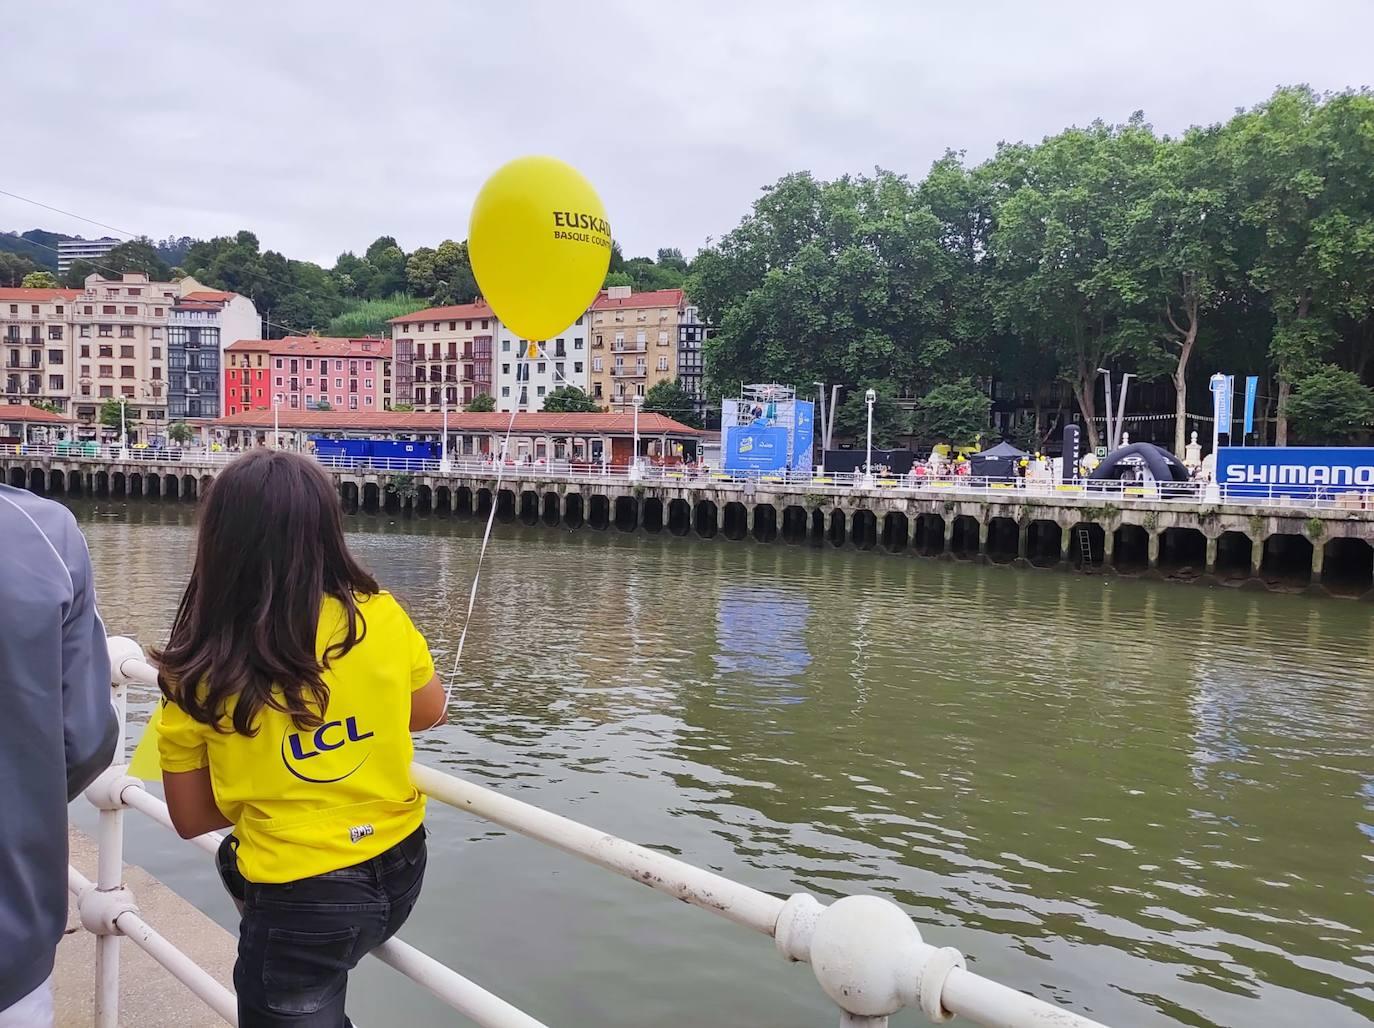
[(1148, 801)]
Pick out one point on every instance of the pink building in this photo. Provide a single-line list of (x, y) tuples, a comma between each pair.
[(318, 372)]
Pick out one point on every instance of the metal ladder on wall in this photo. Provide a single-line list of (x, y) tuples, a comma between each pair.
[(1085, 546)]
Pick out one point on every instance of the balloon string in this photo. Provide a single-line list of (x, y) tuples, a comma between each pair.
[(482, 553)]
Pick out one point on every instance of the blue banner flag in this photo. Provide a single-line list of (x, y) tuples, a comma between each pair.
[(1251, 389)]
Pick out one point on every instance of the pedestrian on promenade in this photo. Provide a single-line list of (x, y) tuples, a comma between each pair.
[(58, 733), (292, 683)]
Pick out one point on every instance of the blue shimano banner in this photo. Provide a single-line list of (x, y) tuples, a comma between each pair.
[(755, 448), (1251, 388), (1295, 470)]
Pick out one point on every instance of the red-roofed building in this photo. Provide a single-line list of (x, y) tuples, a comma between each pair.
[(535, 436), (35, 345), (634, 342), (21, 423), (306, 371), (443, 355)]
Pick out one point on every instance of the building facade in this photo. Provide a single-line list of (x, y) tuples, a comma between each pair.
[(305, 373), (442, 356), (71, 250), (634, 343), (692, 334), (201, 322), (36, 345), (562, 360), (247, 376)]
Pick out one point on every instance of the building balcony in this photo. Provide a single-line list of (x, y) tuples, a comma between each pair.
[(193, 318), (630, 347), (635, 372)]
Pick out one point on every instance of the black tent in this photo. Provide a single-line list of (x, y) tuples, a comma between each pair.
[(1163, 465), (996, 461)]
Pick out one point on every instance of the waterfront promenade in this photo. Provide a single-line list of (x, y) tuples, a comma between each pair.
[(1320, 542)]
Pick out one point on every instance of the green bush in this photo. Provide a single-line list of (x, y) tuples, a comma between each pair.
[(370, 317)]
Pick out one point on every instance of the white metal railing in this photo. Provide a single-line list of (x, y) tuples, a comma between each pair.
[(868, 956), (669, 475)]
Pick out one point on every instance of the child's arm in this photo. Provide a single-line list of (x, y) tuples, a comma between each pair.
[(427, 706), (191, 802)]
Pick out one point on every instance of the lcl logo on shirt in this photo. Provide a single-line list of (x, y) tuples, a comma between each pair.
[(322, 755)]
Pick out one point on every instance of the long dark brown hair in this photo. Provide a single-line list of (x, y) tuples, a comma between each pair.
[(271, 547)]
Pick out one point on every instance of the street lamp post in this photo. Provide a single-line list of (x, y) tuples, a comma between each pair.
[(634, 464), (1107, 413), (869, 398), (443, 439), (123, 432), (1121, 410), (276, 421)]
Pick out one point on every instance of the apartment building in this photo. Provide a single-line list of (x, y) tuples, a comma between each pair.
[(692, 334), (35, 345), (199, 325), (120, 341), (634, 342), (443, 356), (563, 360), (306, 373), (71, 250)]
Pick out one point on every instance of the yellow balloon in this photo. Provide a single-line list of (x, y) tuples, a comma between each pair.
[(540, 244)]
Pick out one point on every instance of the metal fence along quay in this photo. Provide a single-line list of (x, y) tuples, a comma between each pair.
[(1315, 497), (868, 956)]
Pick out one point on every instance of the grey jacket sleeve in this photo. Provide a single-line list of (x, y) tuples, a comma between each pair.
[(90, 728)]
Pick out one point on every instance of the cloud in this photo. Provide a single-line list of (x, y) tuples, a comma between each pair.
[(321, 125)]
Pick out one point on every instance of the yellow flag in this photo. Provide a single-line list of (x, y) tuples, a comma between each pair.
[(145, 763)]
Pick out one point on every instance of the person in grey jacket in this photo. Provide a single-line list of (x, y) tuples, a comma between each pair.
[(57, 733)]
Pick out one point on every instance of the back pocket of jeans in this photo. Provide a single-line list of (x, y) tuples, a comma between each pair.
[(302, 970)]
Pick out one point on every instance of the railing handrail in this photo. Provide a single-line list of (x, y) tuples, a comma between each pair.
[(867, 954), (935, 486)]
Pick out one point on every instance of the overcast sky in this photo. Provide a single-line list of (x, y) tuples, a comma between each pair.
[(321, 124)]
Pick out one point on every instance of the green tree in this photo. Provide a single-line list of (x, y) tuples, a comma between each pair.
[(40, 280), (48, 405), (1330, 405), (956, 412), (443, 275), (482, 403), (388, 262), (667, 397), (891, 423), (324, 405), (180, 433), (111, 411), (137, 256), (569, 400), (403, 407), (14, 268)]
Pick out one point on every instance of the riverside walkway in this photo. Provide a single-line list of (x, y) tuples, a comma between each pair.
[(1322, 542)]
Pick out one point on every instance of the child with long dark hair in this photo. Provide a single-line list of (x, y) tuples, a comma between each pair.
[(292, 683)]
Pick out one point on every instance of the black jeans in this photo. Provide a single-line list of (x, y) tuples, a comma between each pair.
[(298, 940)]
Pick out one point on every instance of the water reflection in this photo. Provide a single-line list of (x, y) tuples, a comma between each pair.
[(1150, 801)]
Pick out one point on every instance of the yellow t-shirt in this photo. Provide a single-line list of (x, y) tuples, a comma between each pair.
[(304, 802)]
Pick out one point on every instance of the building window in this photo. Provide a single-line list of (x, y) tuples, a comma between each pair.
[(109, 309), (131, 311), (85, 371), (663, 364), (596, 390), (278, 382), (639, 388), (106, 392), (157, 374), (278, 368), (157, 312), (367, 383), (596, 363), (352, 403), (127, 391), (338, 401), (367, 401), (419, 326), (663, 339), (577, 367), (157, 353), (55, 382), (577, 342), (157, 333), (126, 331), (542, 368), (54, 356), (309, 364), (85, 331), (620, 340), (505, 346), (126, 371), (505, 391), (54, 331), (295, 400), (107, 371), (106, 331), (540, 391), (505, 369), (127, 352)]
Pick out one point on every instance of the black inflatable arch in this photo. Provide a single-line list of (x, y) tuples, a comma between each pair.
[(1163, 465)]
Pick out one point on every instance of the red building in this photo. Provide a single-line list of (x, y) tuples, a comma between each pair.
[(246, 376), (308, 373)]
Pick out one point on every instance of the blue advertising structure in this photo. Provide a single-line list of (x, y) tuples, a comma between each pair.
[(1294, 470), (766, 430)]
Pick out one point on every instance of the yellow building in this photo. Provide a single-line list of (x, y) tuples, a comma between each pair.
[(634, 343)]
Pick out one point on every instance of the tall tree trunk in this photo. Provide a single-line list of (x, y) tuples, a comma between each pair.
[(1281, 422), (1185, 353), (1086, 396)]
